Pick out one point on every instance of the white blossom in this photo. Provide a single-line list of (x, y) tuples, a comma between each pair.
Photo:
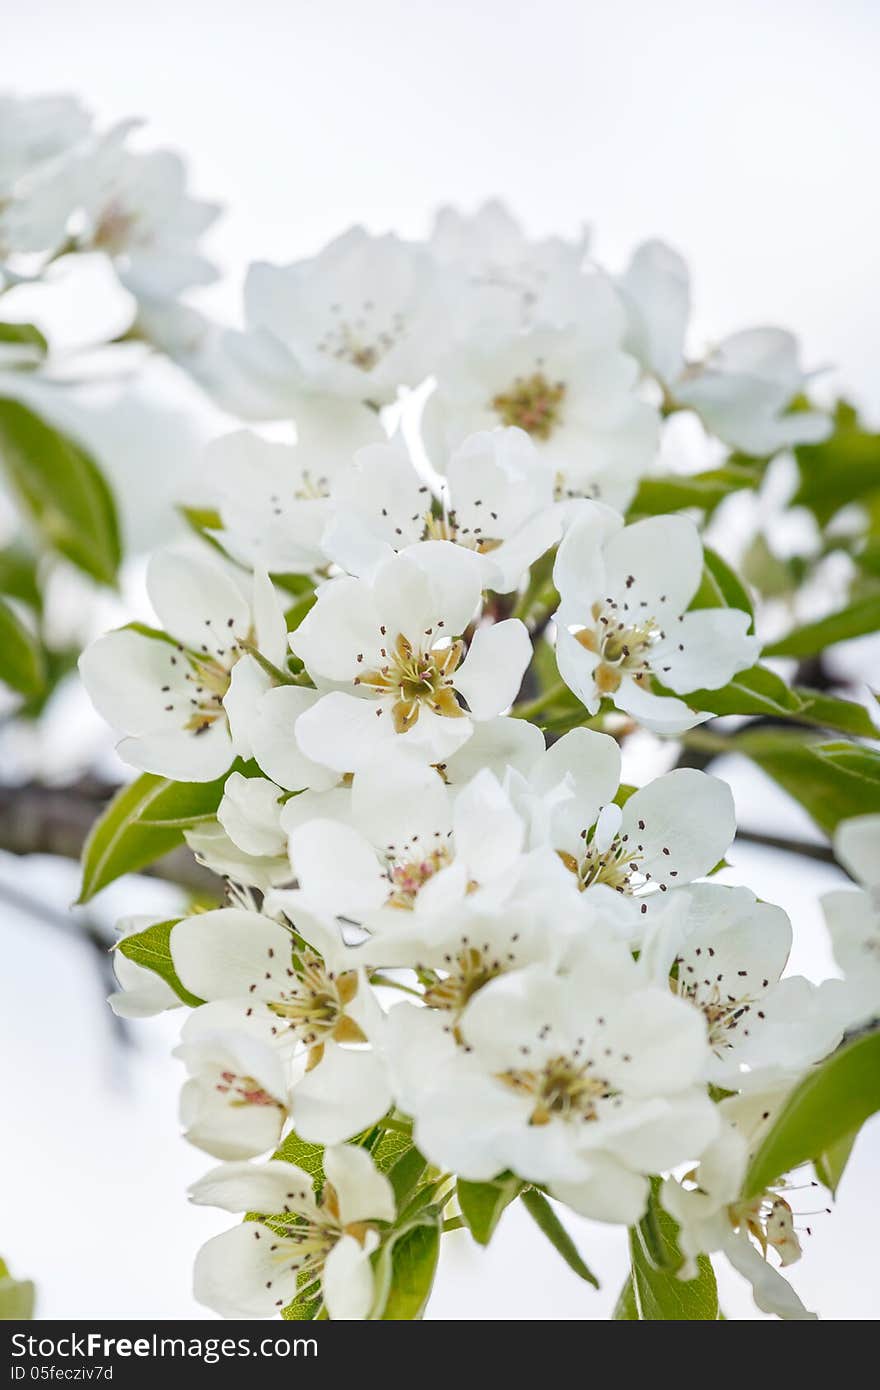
[(584, 1080), (392, 645), (498, 502), (713, 1216), (744, 385), (182, 707), (256, 1268), (622, 619), (853, 919)]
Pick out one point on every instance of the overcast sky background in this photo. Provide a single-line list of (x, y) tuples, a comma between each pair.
[(745, 134)]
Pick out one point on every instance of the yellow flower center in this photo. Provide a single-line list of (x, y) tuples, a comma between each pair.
[(416, 678), (532, 403), (564, 1088)]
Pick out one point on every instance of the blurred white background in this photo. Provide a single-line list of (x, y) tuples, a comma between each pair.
[(743, 133)]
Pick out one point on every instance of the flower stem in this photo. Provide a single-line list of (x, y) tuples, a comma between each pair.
[(532, 707)]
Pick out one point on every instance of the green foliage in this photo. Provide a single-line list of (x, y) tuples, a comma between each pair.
[(831, 1164), (152, 949), (62, 490), (18, 576), (22, 667), (28, 338), (482, 1204), (857, 620), (703, 491), (404, 1269), (832, 781), (657, 1292), (17, 1297), (756, 691), (625, 1309), (143, 821), (721, 587), (544, 1216), (829, 1105), (845, 468), (406, 1173)]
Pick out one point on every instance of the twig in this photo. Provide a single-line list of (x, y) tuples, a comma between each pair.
[(805, 848), (36, 819)]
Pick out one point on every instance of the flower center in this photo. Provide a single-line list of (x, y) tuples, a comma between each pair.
[(414, 677), (769, 1219), (448, 528), (209, 679), (532, 403), (565, 1088), (407, 876), (244, 1090), (314, 1004), (114, 230), (469, 969), (361, 341), (623, 647), (724, 1013)]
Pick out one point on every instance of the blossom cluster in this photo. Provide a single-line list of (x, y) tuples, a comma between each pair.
[(68, 187), (443, 920)]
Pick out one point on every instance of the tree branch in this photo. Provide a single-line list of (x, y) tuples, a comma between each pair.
[(805, 848), (36, 819)]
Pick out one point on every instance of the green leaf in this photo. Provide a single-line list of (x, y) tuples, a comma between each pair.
[(18, 576), (625, 1309), (844, 468), (833, 1101), (130, 834), (405, 1174), (756, 691), (832, 781), (152, 949), (22, 667), (542, 1213), (858, 620), (62, 489), (831, 1164), (705, 490), (482, 1204), (27, 337), (309, 1157), (404, 1270), (657, 1292), (17, 1297), (831, 712), (720, 587)]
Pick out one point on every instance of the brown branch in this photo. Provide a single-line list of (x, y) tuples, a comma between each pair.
[(805, 848), (36, 819)]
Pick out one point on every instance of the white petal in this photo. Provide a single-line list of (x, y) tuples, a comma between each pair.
[(345, 1093), (579, 571), (679, 826), (341, 627), (183, 755), (338, 869), (576, 667), (705, 650), (238, 1276), (195, 600), (662, 714), (221, 954), (364, 1193), (489, 834), (250, 813), (611, 1192), (401, 802), (857, 847), (268, 1188), (347, 1281), (273, 738), (656, 289), (247, 686), (772, 1291), (492, 672), (496, 744), (657, 561)]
